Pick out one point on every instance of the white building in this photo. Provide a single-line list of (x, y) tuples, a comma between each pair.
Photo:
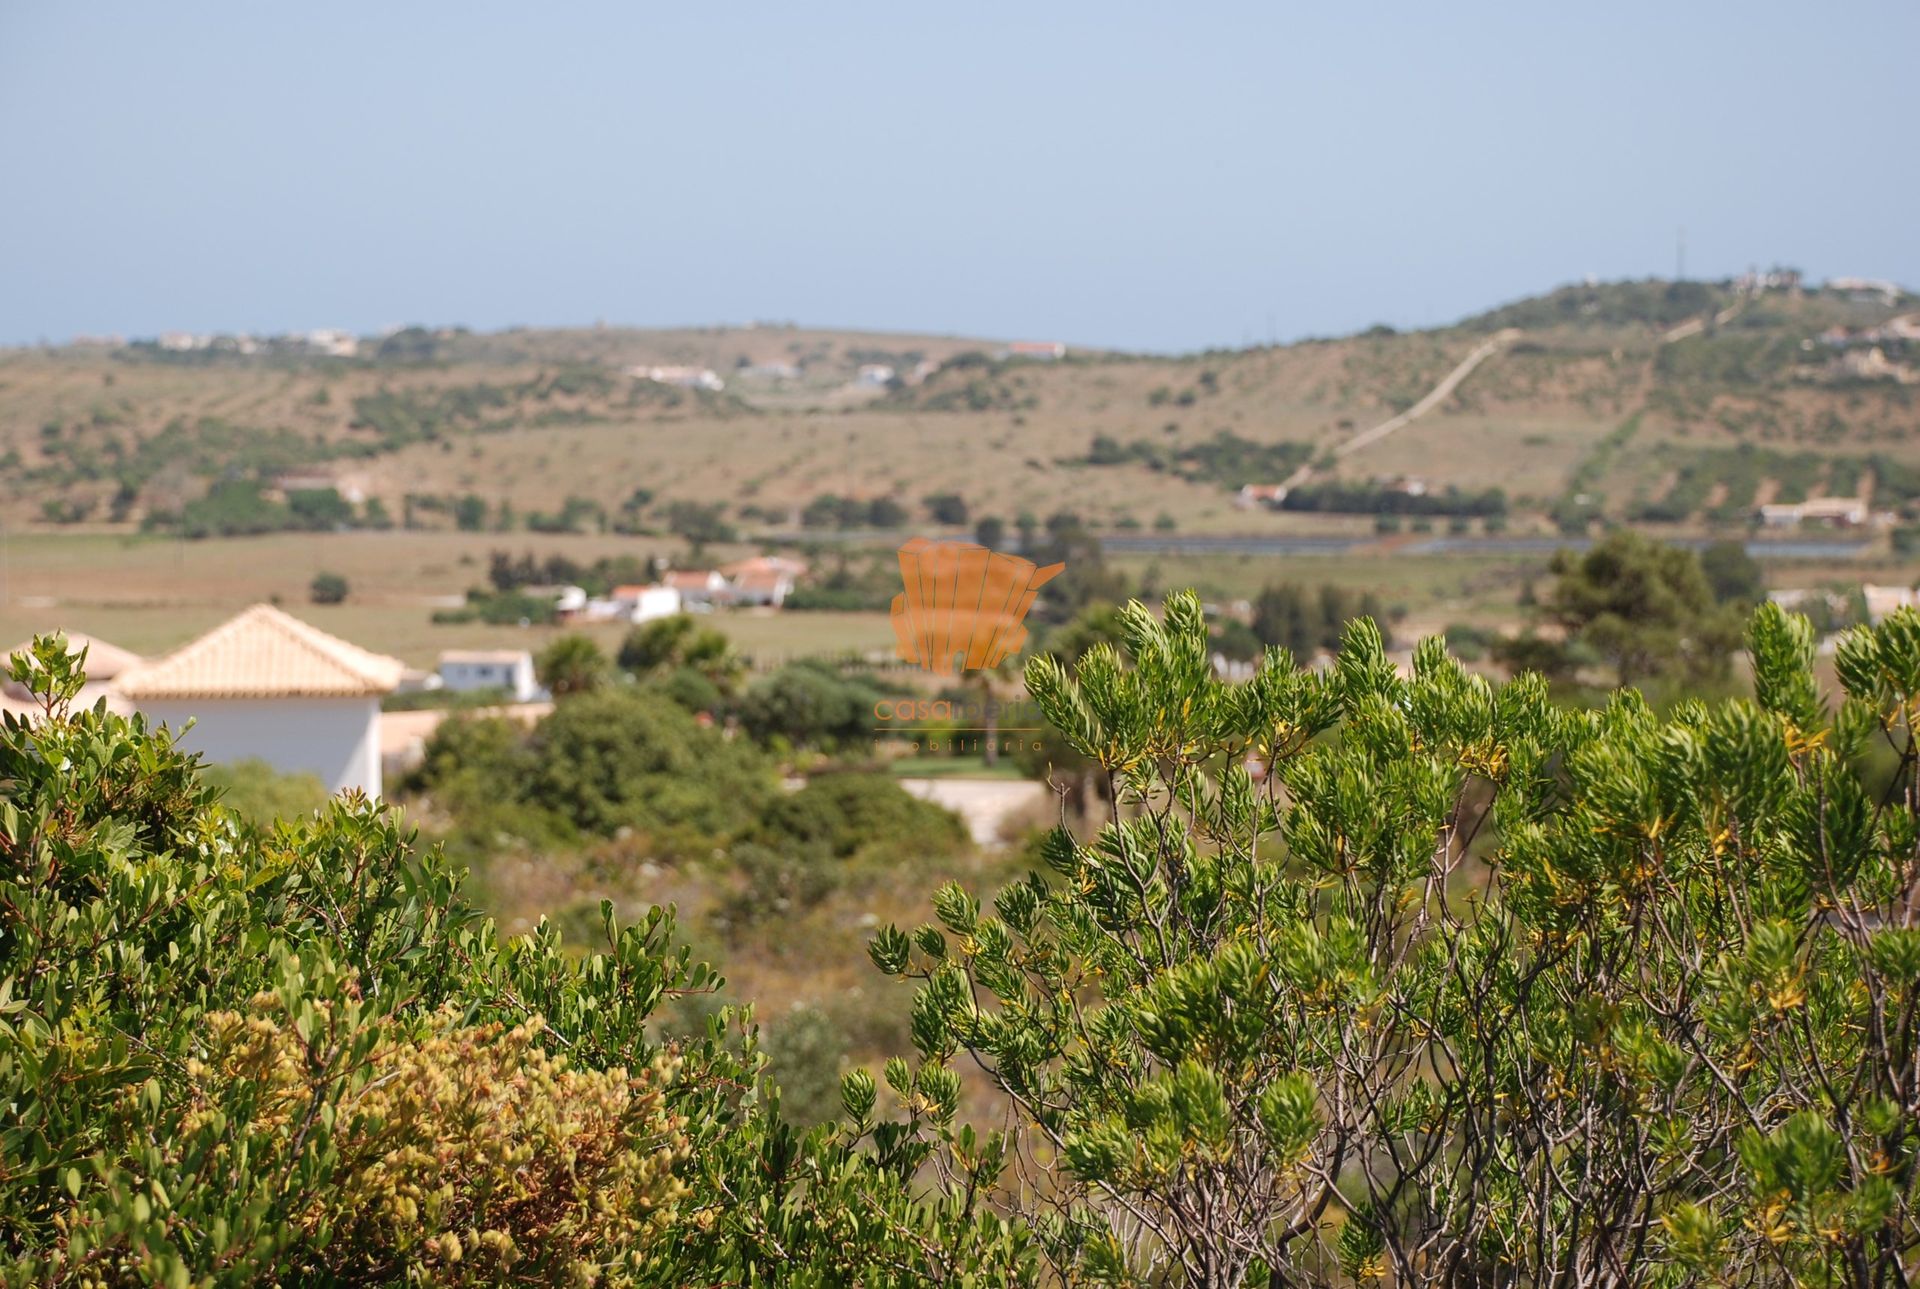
[(1883, 600), (685, 377), (876, 375), (698, 586), (266, 685), (645, 603), (1046, 351), (1834, 512), (464, 670)]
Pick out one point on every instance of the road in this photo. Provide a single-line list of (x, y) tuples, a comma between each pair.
[(984, 804)]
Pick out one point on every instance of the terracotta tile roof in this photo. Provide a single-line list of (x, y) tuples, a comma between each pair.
[(264, 653)]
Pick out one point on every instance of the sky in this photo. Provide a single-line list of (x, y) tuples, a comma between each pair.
[(1159, 177)]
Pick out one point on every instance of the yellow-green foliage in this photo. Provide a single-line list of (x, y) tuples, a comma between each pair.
[(465, 1153)]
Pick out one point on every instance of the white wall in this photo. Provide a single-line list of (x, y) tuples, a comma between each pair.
[(516, 677), (337, 739)]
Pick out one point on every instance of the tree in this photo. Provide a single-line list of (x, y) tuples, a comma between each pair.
[(1307, 620), (470, 513), (666, 644), (327, 588), (885, 512), (809, 704), (990, 531), (701, 524), (624, 757), (947, 508), (1734, 576), (1427, 980), (572, 664), (1644, 608)]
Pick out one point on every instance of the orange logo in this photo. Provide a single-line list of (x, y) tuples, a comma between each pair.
[(965, 606)]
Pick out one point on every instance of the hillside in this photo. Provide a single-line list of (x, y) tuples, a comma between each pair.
[(1677, 405)]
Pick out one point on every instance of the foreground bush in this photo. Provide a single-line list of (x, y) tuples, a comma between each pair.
[(1431, 981), (229, 1058)]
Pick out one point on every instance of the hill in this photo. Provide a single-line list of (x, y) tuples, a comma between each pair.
[(1676, 404)]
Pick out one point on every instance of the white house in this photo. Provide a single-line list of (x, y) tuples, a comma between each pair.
[(465, 670), (1046, 351), (266, 685), (1260, 495), (1834, 512), (764, 579), (645, 603), (697, 586), (1883, 600), (685, 377), (876, 375)]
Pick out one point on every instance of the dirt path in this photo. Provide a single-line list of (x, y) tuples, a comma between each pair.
[(1694, 326), (1433, 398), (983, 803)]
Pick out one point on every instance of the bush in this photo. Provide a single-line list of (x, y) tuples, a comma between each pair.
[(809, 703), (627, 757), (1467, 981), (844, 814), (303, 1059), (327, 588), (262, 795)]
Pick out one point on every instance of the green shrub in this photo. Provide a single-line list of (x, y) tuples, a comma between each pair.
[(328, 588), (262, 795), (302, 1059)]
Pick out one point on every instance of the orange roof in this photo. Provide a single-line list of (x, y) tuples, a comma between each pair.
[(764, 564), (264, 653)]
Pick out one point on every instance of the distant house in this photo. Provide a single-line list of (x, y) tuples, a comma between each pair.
[(698, 586), (684, 377), (1866, 288), (105, 663), (266, 685), (1254, 496), (769, 588), (332, 342), (463, 671), (351, 490), (771, 371), (1883, 600), (644, 603), (1831, 512), (763, 579), (875, 375), (1046, 351)]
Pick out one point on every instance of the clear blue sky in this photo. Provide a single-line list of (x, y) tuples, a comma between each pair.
[(1165, 176)]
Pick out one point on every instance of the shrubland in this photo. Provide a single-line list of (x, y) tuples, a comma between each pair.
[(1365, 977)]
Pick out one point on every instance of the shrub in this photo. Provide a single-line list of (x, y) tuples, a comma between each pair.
[(261, 794), (1463, 980), (327, 588), (302, 1059), (626, 757)]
